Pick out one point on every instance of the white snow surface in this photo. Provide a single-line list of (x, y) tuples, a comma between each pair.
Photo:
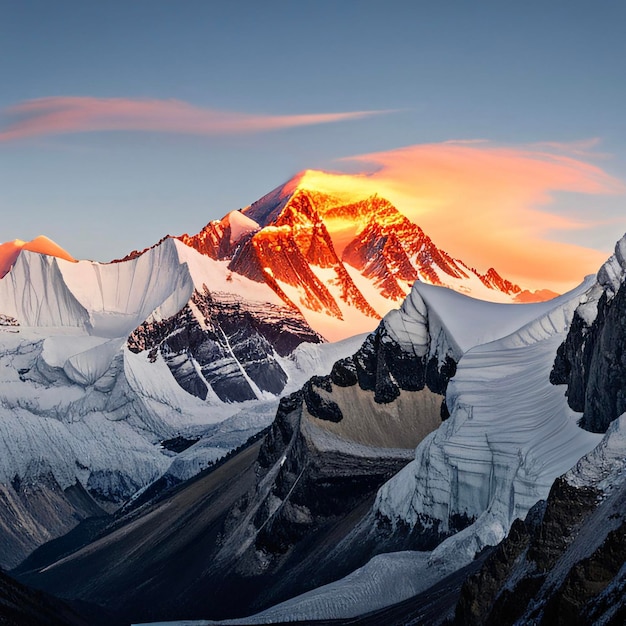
[(442, 321), (608, 280), (604, 468), (78, 427), (74, 397), (613, 272), (323, 322)]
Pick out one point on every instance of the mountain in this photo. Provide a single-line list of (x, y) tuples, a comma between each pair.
[(564, 564), (343, 261), (538, 295), (511, 448), (121, 379), (114, 375), (332, 514)]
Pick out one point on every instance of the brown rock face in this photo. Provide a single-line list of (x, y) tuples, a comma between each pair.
[(391, 248), (563, 565), (212, 240)]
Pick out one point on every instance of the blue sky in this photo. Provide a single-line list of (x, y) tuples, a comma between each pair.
[(514, 74)]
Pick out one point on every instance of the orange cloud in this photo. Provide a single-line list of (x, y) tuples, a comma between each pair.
[(490, 205), (61, 115)]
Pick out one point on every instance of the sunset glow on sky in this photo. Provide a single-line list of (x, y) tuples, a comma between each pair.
[(498, 128), (491, 203)]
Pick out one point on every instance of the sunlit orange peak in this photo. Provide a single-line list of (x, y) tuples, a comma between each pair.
[(10, 250)]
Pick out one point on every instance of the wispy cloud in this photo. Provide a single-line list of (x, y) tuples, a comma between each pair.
[(585, 148), (495, 205), (62, 115)]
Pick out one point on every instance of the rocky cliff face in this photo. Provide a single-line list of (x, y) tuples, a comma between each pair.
[(328, 450), (43, 508), (592, 363), (288, 251), (225, 345), (342, 435), (394, 252)]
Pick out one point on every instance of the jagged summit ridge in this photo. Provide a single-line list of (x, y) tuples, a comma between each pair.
[(342, 258)]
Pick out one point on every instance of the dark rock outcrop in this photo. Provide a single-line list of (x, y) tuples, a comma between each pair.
[(592, 362), (318, 404), (380, 366), (225, 343), (556, 567)]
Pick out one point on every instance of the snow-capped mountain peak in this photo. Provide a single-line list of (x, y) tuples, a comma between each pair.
[(342, 256), (342, 259)]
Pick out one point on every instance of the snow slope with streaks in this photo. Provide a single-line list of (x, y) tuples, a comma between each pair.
[(74, 395)]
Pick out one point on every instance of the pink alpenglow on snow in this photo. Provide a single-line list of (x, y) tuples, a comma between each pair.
[(10, 250)]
